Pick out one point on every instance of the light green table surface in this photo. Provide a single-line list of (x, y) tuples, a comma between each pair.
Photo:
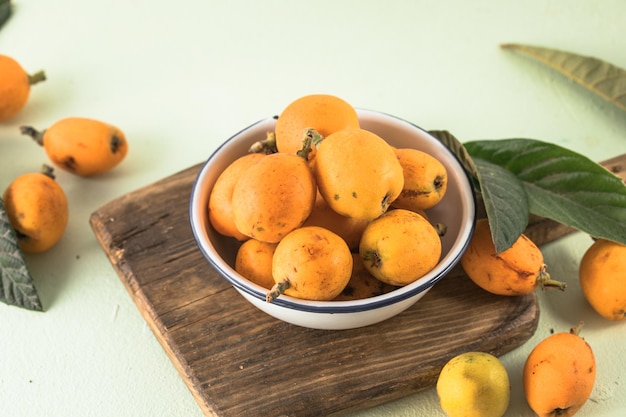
[(181, 77)]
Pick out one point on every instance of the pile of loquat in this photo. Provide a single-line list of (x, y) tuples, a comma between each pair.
[(327, 210)]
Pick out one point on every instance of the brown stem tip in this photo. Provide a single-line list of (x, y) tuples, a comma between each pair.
[(311, 140), (266, 146), (278, 289), (576, 329), (544, 280), (36, 77), (48, 171), (36, 135), (441, 229)]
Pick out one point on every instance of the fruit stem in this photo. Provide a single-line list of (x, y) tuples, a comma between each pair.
[(544, 280), (278, 289), (441, 229), (576, 329), (33, 133), (266, 146), (48, 171), (311, 140), (36, 77)]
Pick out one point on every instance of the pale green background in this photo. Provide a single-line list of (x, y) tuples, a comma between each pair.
[(181, 77)]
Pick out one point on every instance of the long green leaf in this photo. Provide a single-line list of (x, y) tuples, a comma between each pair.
[(17, 287), (602, 78), (561, 184)]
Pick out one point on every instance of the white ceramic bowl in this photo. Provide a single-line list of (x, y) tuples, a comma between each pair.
[(456, 210)]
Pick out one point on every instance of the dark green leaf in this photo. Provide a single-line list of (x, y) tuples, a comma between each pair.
[(17, 286), (562, 185), (457, 148), (602, 78), (505, 202), (5, 11), (502, 194)]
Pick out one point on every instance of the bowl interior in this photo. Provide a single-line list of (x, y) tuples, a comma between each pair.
[(456, 211)]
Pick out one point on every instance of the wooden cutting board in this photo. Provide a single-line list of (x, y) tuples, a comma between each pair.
[(238, 361)]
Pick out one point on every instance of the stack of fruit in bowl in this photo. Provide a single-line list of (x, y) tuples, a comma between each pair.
[(331, 211)]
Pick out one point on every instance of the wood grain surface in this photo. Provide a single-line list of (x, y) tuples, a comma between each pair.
[(238, 361)]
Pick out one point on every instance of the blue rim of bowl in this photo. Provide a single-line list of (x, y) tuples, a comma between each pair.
[(333, 307)]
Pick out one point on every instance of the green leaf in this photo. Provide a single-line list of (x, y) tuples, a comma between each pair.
[(17, 286), (561, 184), (602, 78), (501, 192), (505, 201), (5, 11)]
